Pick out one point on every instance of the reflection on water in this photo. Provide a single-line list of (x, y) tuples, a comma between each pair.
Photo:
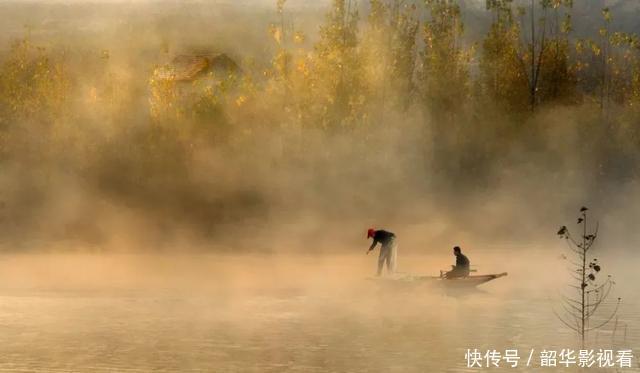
[(328, 321)]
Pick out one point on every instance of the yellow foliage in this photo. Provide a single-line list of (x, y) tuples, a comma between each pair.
[(443, 56), (163, 98), (241, 100), (33, 84), (298, 37)]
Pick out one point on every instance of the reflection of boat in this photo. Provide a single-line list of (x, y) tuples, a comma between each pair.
[(467, 281)]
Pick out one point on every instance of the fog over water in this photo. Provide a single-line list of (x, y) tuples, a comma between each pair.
[(218, 223), (276, 313)]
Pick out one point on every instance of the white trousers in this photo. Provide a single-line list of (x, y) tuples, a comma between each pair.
[(388, 255)]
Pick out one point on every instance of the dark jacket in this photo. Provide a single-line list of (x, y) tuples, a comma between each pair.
[(383, 237), (462, 261)]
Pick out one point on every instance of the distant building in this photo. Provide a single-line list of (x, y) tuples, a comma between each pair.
[(189, 68), (197, 84)]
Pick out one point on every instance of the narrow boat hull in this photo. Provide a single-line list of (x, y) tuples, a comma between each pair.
[(463, 282), (471, 281)]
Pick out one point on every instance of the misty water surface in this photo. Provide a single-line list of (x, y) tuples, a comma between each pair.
[(262, 313)]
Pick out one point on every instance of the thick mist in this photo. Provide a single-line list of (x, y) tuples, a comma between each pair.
[(187, 186), (95, 172)]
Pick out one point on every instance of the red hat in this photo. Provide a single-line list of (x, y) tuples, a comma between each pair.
[(371, 232)]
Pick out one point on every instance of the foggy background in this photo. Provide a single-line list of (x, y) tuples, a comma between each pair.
[(219, 223), (101, 188)]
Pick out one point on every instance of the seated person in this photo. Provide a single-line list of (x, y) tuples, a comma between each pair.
[(461, 269)]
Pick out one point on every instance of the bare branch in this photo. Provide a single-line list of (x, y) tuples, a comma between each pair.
[(577, 309), (596, 289), (601, 299), (575, 264), (571, 300), (569, 238), (574, 328), (591, 292), (577, 278), (615, 311)]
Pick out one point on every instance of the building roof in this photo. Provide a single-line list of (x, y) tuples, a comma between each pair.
[(191, 67)]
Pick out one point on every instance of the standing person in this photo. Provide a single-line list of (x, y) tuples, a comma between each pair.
[(461, 269), (388, 249)]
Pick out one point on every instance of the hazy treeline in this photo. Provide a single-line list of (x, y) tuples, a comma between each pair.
[(379, 110)]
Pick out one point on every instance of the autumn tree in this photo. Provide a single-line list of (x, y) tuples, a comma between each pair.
[(530, 46), (445, 61), (504, 80), (606, 74), (389, 53), (289, 69), (337, 73), (34, 85), (557, 75)]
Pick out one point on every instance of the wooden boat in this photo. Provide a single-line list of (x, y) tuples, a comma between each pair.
[(462, 282), (473, 280)]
